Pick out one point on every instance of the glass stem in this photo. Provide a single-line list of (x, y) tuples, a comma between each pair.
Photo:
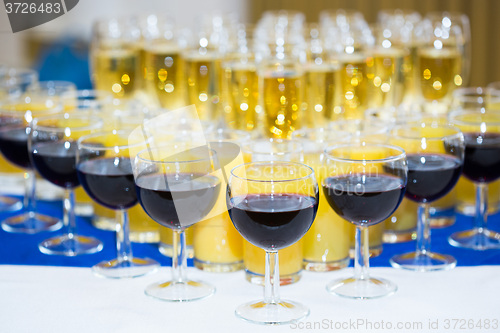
[(361, 253), (423, 229), (69, 212), (123, 246), (29, 193), (481, 207), (179, 256), (272, 278)]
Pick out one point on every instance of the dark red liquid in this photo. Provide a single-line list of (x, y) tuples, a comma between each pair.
[(431, 176), (194, 197), (273, 221), (482, 157), (14, 146), (364, 199), (56, 162), (109, 181)]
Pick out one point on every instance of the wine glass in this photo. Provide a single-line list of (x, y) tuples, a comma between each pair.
[(435, 157), (364, 184), (176, 188), (52, 147), (104, 168), (15, 119), (272, 205), (481, 166)]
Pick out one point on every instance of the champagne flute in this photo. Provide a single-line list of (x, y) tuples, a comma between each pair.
[(176, 188), (105, 171), (364, 184), (481, 166), (272, 205), (435, 157), (52, 147)]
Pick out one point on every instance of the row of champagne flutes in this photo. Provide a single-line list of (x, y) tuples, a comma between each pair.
[(282, 74), (45, 134)]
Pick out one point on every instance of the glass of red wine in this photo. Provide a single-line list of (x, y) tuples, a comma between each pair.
[(53, 147), (435, 155), (15, 119), (104, 168), (177, 187), (272, 205), (482, 166), (364, 183)]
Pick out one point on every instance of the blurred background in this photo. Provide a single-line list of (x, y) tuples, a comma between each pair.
[(62, 44)]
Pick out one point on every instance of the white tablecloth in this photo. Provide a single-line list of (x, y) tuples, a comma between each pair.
[(63, 299)]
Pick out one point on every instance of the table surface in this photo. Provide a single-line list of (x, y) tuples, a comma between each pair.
[(38, 295)]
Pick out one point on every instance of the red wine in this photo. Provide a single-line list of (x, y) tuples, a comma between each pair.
[(364, 199), (273, 221), (177, 201), (14, 146), (431, 176), (109, 181), (482, 157), (56, 162)]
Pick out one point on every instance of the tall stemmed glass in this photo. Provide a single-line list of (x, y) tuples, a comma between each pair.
[(364, 184), (272, 205), (481, 166), (105, 171), (435, 158), (52, 147), (177, 187), (15, 119)]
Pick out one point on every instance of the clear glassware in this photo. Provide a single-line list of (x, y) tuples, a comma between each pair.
[(53, 148), (177, 188), (364, 184), (435, 154), (482, 166), (53, 89), (272, 205), (15, 127), (476, 97), (104, 168)]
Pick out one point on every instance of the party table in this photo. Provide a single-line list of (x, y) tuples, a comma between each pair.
[(59, 294)]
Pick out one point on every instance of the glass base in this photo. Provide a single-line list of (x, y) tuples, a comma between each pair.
[(362, 288), (218, 267), (180, 291), (393, 236), (319, 266), (115, 269), (375, 251), (70, 245), (26, 224), (475, 239), (258, 279), (419, 262), (469, 208), (282, 313), (84, 209), (441, 222), (166, 250), (8, 204)]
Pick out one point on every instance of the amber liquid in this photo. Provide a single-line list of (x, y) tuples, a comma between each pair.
[(354, 83), (203, 75), (320, 94), (241, 92), (283, 98), (165, 75), (115, 71)]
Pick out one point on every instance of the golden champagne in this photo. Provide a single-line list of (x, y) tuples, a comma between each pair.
[(283, 98), (353, 81), (203, 75), (241, 105), (439, 73), (386, 77), (321, 82), (115, 70), (409, 71), (165, 75)]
